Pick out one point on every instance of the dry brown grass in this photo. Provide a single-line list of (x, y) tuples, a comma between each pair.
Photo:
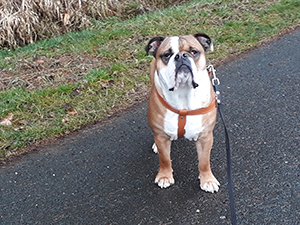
[(25, 21)]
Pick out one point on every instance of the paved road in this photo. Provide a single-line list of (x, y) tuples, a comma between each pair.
[(104, 174)]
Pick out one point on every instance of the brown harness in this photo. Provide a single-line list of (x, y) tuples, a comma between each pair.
[(183, 113)]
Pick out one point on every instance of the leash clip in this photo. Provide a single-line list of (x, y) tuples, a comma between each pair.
[(215, 81)]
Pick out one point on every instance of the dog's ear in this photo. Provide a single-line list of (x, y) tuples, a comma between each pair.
[(153, 45), (205, 41)]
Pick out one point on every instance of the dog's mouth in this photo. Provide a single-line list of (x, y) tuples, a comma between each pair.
[(184, 76)]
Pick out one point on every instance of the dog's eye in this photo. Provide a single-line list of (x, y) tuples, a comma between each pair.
[(167, 55), (194, 52)]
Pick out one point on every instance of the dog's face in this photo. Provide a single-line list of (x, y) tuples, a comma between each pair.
[(180, 59)]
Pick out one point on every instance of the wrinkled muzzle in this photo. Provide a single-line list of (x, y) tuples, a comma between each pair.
[(183, 72)]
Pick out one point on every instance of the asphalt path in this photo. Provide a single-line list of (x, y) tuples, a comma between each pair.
[(105, 174)]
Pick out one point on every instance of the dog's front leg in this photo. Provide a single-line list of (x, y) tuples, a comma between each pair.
[(208, 182), (164, 177)]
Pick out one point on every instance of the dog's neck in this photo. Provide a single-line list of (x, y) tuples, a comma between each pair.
[(186, 97)]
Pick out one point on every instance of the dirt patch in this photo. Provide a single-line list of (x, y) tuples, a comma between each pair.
[(41, 71)]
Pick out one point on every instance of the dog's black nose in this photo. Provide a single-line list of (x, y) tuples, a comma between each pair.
[(180, 55)]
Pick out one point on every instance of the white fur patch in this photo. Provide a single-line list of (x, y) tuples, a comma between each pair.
[(154, 148), (174, 43), (167, 74)]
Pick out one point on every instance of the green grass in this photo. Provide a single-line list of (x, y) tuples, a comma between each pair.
[(123, 76)]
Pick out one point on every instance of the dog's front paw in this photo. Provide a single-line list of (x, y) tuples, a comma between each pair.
[(210, 187), (209, 184), (164, 182)]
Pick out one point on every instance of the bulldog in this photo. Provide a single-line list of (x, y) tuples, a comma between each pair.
[(182, 102)]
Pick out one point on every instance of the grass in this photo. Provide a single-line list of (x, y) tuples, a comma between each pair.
[(120, 76)]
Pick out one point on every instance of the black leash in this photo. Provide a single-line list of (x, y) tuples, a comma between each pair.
[(216, 82)]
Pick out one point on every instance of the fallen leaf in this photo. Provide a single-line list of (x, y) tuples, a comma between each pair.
[(69, 109), (40, 61), (72, 113), (19, 128), (106, 83), (10, 116), (7, 120), (65, 120)]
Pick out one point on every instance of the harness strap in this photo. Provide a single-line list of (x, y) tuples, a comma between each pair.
[(183, 113), (181, 122)]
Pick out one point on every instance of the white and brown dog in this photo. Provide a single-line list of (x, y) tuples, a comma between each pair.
[(182, 102)]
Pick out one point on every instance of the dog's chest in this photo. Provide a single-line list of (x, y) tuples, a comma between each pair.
[(190, 100), (193, 126)]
